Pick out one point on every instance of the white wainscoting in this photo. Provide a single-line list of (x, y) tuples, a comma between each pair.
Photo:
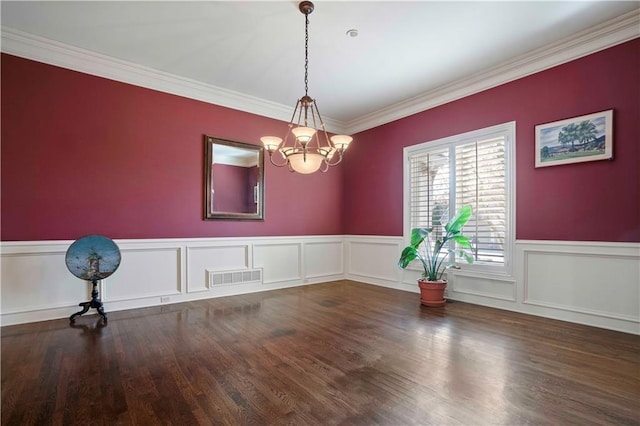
[(593, 283), (36, 284)]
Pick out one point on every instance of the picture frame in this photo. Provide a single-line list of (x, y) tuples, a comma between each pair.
[(575, 140)]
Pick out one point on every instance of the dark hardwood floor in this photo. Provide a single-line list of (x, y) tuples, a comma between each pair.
[(335, 353)]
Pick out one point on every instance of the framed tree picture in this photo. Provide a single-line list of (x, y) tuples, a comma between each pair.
[(575, 140)]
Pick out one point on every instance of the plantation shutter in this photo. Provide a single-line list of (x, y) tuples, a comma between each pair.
[(470, 172), (430, 185), (480, 183)]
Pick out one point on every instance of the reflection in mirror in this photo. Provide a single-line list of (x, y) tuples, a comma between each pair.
[(234, 187)]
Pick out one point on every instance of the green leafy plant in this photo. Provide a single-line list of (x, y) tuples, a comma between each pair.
[(434, 256)]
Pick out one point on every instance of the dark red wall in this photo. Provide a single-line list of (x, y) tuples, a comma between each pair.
[(86, 155), (593, 201), (82, 155)]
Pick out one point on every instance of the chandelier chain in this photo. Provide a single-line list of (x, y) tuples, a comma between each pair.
[(306, 54)]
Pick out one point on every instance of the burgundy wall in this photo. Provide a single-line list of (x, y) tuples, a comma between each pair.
[(593, 201), (83, 155), (86, 155)]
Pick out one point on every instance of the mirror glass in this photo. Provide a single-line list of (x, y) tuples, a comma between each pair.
[(234, 187)]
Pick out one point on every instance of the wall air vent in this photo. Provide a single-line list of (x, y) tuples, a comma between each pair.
[(222, 278)]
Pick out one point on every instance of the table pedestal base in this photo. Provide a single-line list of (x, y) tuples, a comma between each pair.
[(94, 303)]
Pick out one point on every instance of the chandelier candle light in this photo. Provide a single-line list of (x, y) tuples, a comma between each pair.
[(309, 149)]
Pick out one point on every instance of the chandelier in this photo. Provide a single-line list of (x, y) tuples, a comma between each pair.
[(306, 147)]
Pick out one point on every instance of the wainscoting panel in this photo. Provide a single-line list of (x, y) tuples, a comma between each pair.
[(144, 273), (597, 280), (280, 261), (201, 259), (39, 281), (373, 259), (323, 258)]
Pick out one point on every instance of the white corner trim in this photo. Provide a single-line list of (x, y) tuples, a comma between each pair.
[(616, 31)]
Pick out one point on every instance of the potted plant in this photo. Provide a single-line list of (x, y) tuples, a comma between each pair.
[(435, 257)]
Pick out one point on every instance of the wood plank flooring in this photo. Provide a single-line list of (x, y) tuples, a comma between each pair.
[(338, 353)]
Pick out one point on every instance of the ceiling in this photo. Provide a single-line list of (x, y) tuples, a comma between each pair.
[(255, 50)]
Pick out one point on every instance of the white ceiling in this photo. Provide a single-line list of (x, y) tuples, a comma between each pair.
[(403, 50)]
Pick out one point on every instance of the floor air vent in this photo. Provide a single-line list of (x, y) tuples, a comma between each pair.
[(246, 276)]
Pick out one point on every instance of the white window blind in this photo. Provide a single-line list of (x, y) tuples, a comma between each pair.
[(471, 169), (480, 183), (429, 188)]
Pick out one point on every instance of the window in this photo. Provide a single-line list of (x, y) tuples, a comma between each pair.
[(476, 169)]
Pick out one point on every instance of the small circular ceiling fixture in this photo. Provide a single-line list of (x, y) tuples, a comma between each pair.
[(352, 33)]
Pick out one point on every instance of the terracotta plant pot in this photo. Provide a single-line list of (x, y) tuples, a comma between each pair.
[(432, 293)]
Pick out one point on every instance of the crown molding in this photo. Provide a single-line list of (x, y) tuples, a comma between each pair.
[(619, 30), (40, 49), (616, 31)]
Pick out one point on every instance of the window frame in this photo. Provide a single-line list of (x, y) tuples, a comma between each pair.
[(506, 130)]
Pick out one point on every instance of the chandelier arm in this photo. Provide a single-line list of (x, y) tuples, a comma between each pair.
[(293, 116), (326, 166), (339, 160), (300, 117), (315, 105), (276, 164), (286, 139), (315, 126), (292, 124), (324, 130)]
